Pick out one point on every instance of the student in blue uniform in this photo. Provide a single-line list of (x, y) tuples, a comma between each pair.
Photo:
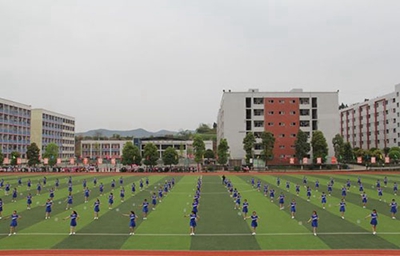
[(395, 188), (314, 222), (145, 209), (121, 181), (1, 209), (361, 187), (258, 185), (70, 180), (38, 188), (254, 222), (287, 186), (364, 199), (84, 184), (48, 206), (133, 188), (86, 193), (72, 226), (69, 201), (245, 208), (154, 200), (110, 200), (14, 195), (7, 189), (358, 180), (348, 184), (380, 193), (278, 181), (344, 191), (192, 222), (132, 222), (297, 189), (51, 193), (385, 181), (112, 185), (14, 223), (70, 187), (101, 189), (29, 184), (19, 182), (272, 194), (292, 208), (44, 181), (281, 201), (374, 220), (122, 194), (237, 201), (96, 209), (330, 185), (57, 183), (332, 181), (323, 200), (252, 182), (378, 183), (266, 190), (147, 182), (28, 201), (160, 194), (94, 181), (305, 181), (141, 184), (308, 193), (393, 208), (317, 185), (195, 206), (342, 207)]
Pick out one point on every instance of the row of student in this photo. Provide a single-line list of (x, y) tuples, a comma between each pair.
[(193, 216)]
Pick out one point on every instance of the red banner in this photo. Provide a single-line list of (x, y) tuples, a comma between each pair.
[(46, 161), (85, 160), (58, 160), (333, 160), (291, 161), (19, 160), (305, 160), (319, 160), (387, 160), (359, 160), (113, 161), (373, 160), (72, 160), (6, 160), (99, 160)]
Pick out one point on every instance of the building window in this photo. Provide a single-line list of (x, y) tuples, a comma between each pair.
[(258, 112), (293, 135), (270, 101), (258, 101), (292, 101), (281, 112), (281, 124), (281, 146), (282, 135), (293, 112), (305, 123), (305, 101), (281, 101), (293, 124), (304, 112), (270, 112)]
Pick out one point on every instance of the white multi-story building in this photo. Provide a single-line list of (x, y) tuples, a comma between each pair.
[(281, 113), (374, 123), (50, 127), (15, 124), (106, 149)]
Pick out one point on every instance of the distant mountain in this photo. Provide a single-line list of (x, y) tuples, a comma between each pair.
[(136, 133)]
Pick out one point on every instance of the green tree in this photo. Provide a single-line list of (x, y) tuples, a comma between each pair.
[(150, 154), (14, 156), (302, 146), (1, 157), (319, 146), (267, 145), (131, 154), (181, 150), (209, 154), (170, 157), (51, 152), (248, 145), (394, 154), (386, 151), (199, 149), (338, 143), (348, 154), (204, 128), (222, 152), (33, 154), (378, 154)]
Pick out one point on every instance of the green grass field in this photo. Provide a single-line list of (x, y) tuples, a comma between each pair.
[(220, 227)]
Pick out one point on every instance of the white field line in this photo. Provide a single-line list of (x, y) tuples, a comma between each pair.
[(237, 234)]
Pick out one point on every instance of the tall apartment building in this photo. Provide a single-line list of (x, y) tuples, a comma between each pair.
[(105, 149), (374, 123), (282, 113), (50, 127), (15, 121)]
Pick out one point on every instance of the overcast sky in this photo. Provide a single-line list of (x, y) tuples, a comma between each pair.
[(163, 64)]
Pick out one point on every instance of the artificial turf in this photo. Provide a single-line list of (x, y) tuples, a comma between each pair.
[(220, 226)]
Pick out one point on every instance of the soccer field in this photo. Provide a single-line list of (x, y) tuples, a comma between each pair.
[(220, 226)]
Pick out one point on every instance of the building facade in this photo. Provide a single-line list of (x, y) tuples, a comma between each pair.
[(282, 114), (106, 149), (51, 127), (15, 122), (374, 123), (183, 147)]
